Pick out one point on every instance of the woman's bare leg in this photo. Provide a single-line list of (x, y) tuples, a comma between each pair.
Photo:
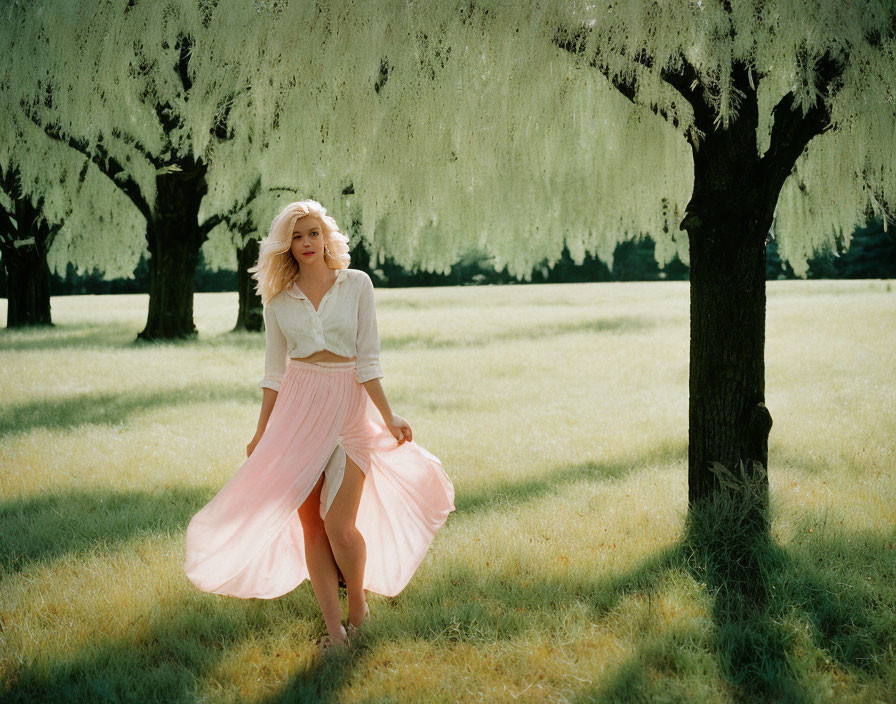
[(346, 540), (321, 563)]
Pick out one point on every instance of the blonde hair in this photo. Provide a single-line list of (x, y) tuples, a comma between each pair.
[(276, 267)]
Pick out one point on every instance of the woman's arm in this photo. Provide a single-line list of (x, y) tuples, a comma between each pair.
[(274, 369), (268, 399), (378, 396), (367, 363), (397, 425)]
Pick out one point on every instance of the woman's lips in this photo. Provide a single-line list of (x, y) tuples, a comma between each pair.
[(305, 254)]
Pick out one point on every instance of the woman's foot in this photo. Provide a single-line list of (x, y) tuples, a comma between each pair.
[(329, 642), (351, 629)]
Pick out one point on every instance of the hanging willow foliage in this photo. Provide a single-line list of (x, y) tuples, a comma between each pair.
[(440, 126), (94, 216)]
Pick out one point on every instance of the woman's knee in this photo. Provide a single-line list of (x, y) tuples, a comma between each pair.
[(340, 532)]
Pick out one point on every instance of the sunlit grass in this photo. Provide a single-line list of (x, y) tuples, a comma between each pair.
[(560, 412)]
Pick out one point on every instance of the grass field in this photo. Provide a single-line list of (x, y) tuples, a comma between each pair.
[(560, 413)]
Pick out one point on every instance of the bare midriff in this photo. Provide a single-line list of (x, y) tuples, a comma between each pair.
[(324, 356)]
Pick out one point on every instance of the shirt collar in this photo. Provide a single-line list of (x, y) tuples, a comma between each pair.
[(293, 290)]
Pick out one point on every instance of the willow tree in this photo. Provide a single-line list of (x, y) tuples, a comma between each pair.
[(114, 81), (57, 209), (760, 84), (520, 127)]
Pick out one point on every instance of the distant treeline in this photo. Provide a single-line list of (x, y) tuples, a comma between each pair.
[(871, 255)]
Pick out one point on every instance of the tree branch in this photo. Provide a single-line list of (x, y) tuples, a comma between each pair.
[(108, 165), (682, 80), (136, 146), (230, 217), (792, 131), (7, 230), (10, 184)]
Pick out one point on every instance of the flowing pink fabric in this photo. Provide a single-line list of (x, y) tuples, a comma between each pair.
[(248, 541)]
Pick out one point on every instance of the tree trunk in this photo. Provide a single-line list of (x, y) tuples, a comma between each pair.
[(728, 421), (728, 221), (174, 237), (27, 273), (28, 284), (249, 317)]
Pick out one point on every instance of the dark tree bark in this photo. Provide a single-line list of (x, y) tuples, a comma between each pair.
[(728, 420), (728, 220), (249, 317), (28, 286), (174, 237), (24, 248), (28, 282)]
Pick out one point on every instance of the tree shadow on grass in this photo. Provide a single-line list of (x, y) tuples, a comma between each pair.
[(168, 657), (46, 527), (755, 593), (767, 603), (111, 408), (483, 498), (106, 336), (165, 657), (102, 336), (758, 589)]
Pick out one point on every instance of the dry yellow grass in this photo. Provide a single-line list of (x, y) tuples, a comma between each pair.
[(560, 412)]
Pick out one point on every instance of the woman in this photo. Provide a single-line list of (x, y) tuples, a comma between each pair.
[(334, 483)]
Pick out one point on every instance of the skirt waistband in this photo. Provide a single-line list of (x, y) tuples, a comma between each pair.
[(321, 366)]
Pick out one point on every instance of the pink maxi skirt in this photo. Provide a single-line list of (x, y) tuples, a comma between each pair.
[(248, 540)]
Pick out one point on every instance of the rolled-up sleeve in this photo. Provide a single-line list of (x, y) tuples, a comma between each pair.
[(367, 348), (275, 351)]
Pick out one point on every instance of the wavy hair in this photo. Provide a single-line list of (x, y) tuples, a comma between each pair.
[(276, 267)]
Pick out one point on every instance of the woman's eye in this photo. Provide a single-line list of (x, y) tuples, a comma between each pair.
[(314, 234)]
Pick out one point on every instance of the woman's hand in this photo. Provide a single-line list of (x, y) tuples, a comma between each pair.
[(400, 429), (251, 446)]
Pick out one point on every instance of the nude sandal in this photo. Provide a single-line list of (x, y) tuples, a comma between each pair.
[(326, 642), (352, 630)]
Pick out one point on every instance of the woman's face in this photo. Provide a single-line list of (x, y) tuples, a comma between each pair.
[(308, 240)]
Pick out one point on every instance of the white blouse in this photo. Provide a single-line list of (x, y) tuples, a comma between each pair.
[(344, 323)]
